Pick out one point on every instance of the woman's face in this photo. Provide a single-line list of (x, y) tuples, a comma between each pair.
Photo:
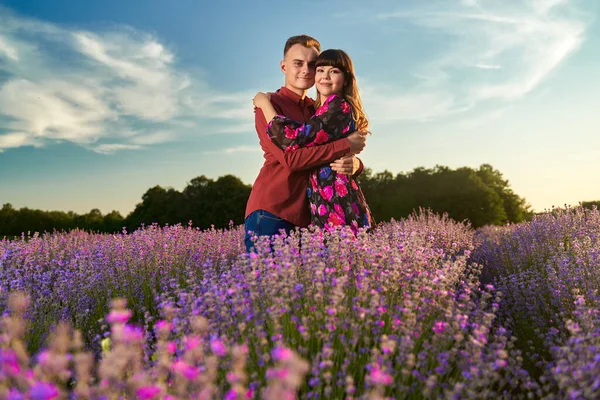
[(329, 80)]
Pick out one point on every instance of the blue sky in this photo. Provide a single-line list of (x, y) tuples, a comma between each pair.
[(100, 101)]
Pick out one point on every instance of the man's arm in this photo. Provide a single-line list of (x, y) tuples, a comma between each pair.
[(302, 158)]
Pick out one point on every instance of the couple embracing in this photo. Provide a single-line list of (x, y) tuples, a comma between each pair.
[(310, 169)]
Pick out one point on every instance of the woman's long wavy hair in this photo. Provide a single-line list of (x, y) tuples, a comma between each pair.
[(337, 58)]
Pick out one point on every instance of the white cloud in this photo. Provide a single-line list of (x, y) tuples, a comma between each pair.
[(513, 46), (90, 87), (110, 148), (235, 150), (7, 50)]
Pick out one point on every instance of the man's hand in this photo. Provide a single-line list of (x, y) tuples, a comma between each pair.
[(357, 141), (347, 165)]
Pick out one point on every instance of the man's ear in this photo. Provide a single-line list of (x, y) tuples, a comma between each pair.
[(282, 66)]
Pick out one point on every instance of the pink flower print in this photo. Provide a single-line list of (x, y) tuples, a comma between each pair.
[(313, 182), (313, 208), (341, 189), (323, 109), (321, 137), (327, 193), (345, 107), (346, 129), (354, 185), (290, 132), (342, 178), (338, 209), (335, 219), (355, 209), (322, 210), (291, 148)]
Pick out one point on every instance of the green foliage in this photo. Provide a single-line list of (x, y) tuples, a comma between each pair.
[(480, 196), (590, 204)]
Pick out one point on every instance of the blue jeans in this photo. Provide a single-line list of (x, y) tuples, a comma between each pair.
[(263, 223)]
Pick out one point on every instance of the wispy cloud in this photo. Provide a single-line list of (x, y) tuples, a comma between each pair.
[(97, 89), (235, 150), (494, 51)]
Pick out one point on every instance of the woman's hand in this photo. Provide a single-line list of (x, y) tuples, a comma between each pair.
[(261, 100)]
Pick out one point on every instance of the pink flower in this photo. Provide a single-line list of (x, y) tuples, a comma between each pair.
[(43, 391), (335, 219), (345, 107), (341, 189), (282, 353), (188, 371), (231, 395), (191, 342), (354, 185), (321, 137), (313, 208), (43, 357), (338, 210), (132, 334), (218, 347), (323, 109), (171, 347), (147, 392), (116, 316), (379, 377), (322, 210), (346, 129), (161, 324), (9, 362), (342, 178), (439, 326), (355, 209), (327, 193), (290, 133)]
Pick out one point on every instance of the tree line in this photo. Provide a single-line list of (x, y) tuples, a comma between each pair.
[(481, 196)]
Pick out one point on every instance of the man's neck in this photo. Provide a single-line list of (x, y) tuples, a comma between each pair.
[(299, 92)]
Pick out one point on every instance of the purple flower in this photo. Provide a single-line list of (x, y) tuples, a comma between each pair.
[(43, 391)]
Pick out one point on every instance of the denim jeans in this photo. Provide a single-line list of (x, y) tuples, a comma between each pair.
[(263, 223)]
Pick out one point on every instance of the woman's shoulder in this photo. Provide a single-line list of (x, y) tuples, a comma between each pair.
[(333, 97)]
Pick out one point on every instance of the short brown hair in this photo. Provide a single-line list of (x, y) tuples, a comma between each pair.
[(304, 40)]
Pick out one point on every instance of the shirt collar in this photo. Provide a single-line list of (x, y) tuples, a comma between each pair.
[(307, 101)]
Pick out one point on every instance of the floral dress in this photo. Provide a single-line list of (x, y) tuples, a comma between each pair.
[(335, 199)]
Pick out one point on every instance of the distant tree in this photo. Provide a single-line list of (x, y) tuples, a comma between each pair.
[(516, 208), (590, 204), (158, 205), (480, 196)]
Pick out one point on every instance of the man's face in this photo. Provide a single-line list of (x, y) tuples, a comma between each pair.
[(298, 66)]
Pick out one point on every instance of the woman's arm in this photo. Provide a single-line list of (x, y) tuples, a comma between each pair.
[(332, 121)]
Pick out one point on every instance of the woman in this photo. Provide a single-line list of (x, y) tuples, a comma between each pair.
[(335, 199)]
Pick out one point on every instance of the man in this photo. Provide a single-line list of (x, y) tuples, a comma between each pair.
[(278, 199)]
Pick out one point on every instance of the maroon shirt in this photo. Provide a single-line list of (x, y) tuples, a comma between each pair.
[(280, 187)]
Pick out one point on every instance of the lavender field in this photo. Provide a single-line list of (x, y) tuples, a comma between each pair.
[(420, 308)]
